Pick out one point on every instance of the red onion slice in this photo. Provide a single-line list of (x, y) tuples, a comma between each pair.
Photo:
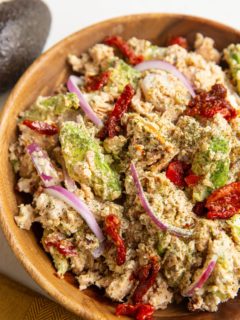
[(72, 85), (163, 65), (201, 280), (73, 201), (43, 164), (179, 232)]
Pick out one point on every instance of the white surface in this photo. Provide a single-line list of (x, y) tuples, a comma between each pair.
[(72, 15)]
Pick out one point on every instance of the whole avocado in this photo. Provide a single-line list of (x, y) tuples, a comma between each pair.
[(24, 27)]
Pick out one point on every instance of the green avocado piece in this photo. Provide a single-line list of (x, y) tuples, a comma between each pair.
[(24, 27), (86, 162), (121, 74), (234, 224), (60, 262), (219, 144), (48, 107), (232, 56), (200, 159), (200, 192), (154, 52), (163, 243), (215, 161), (220, 175)]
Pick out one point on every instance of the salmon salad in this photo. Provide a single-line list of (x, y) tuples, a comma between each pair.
[(132, 169)]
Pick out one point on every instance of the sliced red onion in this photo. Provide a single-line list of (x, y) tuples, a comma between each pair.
[(43, 164), (179, 232), (201, 280), (72, 85), (73, 201), (163, 65), (68, 181)]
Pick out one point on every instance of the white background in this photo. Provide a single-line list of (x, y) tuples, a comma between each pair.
[(71, 15)]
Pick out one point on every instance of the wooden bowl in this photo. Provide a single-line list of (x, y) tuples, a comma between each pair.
[(42, 78)]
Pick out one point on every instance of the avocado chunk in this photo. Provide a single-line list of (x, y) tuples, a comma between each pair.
[(48, 107), (121, 74), (154, 52), (24, 27), (232, 56), (234, 224), (86, 162), (60, 262), (212, 163)]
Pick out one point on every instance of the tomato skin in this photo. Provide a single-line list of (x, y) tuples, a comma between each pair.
[(175, 173), (139, 311), (42, 127), (97, 82), (147, 276), (217, 215), (181, 41), (192, 180), (111, 127), (112, 225), (125, 309), (224, 202), (199, 209), (124, 48), (65, 249), (180, 174), (207, 104)]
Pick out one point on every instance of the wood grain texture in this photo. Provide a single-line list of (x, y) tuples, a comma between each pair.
[(42, 78)]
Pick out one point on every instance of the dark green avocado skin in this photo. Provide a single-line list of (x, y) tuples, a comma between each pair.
[(24, 27)]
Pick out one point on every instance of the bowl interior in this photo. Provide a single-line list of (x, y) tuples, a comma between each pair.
[(42, 78)]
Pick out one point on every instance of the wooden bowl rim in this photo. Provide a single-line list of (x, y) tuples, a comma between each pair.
[(29, 266)]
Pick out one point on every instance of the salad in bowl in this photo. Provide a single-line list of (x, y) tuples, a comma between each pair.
[(133, 171)]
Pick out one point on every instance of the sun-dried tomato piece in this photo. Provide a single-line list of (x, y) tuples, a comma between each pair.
[(111, 127), (97, 82), (199, 209), (207, 104), (143, 272), (42, 127), (146, 276), (181, 41), (145, 312), (139, 311), (181, 175), (220, 215), (224, 202), (192, 180), (176, 172), (112, 225), (124, 48), (64, 247), (125, 309)]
